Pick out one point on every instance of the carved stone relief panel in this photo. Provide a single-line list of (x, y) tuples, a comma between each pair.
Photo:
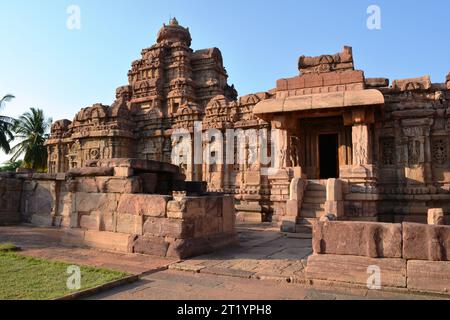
[(415, 153), (414, 145), (94, 154), (107, 150), (153, 149), (53, 159), (440, 150), (295, 151), (387, 145), (74, 156), (167, 150), (361, 144)]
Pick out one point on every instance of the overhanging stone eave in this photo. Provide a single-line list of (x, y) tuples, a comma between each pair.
[(323, 101)]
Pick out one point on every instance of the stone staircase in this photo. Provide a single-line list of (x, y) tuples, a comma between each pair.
[(313, 206)]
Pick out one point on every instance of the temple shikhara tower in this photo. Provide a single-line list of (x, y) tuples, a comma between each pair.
[(355, 147)]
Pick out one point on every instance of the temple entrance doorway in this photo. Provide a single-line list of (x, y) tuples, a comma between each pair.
[(328, 156), (325, 145)]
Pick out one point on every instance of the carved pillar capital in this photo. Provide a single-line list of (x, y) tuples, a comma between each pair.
[(284, 122), (359, 116)]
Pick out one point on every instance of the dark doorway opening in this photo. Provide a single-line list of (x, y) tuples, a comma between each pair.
[(328, 155)]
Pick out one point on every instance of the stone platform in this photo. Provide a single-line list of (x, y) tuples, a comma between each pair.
[(123, 205)]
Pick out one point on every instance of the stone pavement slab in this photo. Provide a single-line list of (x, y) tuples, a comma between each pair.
[(45, 243), (178, 285), (264, 253)]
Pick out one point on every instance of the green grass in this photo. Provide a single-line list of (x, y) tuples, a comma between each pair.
[(8, 247), (26, 278)]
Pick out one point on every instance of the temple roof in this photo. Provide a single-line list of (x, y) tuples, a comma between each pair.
[(320, 101), (174, 33)]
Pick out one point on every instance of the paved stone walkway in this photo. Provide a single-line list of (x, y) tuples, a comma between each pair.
[(45, 243), (178, 285), (264, 253)]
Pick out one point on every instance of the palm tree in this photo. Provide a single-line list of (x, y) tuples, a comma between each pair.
[(32, 129), (11, 166), (6, 123)]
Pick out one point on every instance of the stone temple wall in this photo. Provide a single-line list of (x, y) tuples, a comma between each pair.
[(126, 205), (412, 149), (10, 194), (394, 153)]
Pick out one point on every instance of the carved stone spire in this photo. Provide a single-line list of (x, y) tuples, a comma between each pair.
[(174, 32)]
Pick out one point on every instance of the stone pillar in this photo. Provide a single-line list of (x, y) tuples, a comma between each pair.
[(361, 144), (282, 127), (280, 148), (360, 120), (361, 177), (428, 171)]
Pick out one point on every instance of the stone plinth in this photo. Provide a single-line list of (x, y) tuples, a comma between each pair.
[(354, 269), (429, 276), (156, 225), (412, 256), (111, 208), (177, 226)]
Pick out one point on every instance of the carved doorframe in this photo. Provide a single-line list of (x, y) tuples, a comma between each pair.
[(311, 129)]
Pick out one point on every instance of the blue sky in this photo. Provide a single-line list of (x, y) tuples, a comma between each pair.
[(48, 66)]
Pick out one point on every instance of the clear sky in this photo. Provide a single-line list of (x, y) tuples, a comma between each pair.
[(49, 66)]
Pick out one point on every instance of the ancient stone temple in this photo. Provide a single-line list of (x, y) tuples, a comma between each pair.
[(342, 144)]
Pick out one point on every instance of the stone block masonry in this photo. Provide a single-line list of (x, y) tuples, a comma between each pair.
[(107, 206), (374, 240), (10, 194), (409, 255)]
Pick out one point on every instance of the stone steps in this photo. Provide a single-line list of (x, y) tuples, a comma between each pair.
[(313, 206), (305, 225), (311, 199), (316, 193), (315, 187), (311, 213)]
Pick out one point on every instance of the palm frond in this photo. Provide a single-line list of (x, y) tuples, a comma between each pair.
[(32, 129)]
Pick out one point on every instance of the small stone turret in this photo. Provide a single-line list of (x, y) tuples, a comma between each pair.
[(174, 33)]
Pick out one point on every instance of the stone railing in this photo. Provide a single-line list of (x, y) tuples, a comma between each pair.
[(294, 204), (334, 204), (410, 256)]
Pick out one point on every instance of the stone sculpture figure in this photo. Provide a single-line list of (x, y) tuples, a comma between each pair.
[(295, 154)]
